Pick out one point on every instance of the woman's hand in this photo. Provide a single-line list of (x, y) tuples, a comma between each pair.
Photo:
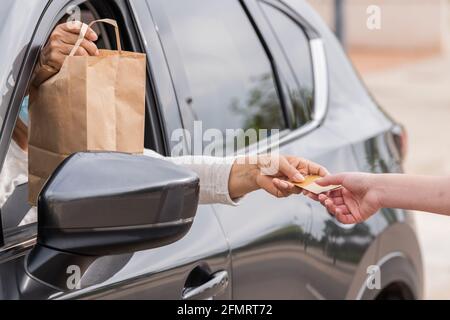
[(271, 173), (61, 42), (355, 202), (58, 47)]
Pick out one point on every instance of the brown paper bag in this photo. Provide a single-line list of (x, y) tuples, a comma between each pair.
[(93, 103)]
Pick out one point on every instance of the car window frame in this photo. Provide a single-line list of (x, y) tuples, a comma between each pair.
[(18, 91), (22, 238), (319, 61), (286, 57)]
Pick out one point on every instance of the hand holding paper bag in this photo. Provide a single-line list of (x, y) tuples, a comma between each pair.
[(93, 103)]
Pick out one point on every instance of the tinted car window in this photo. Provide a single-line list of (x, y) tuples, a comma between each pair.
[(221, 71), (295, 45)]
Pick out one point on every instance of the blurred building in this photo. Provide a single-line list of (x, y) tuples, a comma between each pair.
[(405, 24)]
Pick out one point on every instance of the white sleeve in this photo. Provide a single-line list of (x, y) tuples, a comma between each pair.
[(213, 172)]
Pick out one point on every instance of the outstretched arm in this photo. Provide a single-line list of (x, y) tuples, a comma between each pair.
[(225, 180), (364, 194), (422, 193), (58, 47)]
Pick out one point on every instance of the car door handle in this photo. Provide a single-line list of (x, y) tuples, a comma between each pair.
[(217, 284)]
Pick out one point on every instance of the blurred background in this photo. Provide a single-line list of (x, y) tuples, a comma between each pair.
[(405, 62)]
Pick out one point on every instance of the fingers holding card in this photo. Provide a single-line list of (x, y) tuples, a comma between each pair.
[(310, 185)]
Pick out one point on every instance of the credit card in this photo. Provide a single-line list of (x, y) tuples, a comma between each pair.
[(313, 187)]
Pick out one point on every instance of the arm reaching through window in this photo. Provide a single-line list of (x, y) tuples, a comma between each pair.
[(225, 180)]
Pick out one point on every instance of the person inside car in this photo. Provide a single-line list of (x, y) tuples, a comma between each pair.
[(222, 180)]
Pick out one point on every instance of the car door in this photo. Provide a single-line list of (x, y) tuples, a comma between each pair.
[(225, 79), (280, 249), (196, 260)]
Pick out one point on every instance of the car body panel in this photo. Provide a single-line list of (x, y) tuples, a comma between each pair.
[(161, 273)]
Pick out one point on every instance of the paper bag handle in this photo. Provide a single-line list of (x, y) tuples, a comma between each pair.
[(84, 29)]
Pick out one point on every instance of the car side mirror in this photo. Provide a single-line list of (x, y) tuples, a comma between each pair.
[(107, 203)]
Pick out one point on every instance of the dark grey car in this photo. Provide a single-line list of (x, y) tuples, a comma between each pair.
[(231, 64)]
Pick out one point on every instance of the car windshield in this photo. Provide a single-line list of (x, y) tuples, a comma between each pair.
[(18, 19)]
